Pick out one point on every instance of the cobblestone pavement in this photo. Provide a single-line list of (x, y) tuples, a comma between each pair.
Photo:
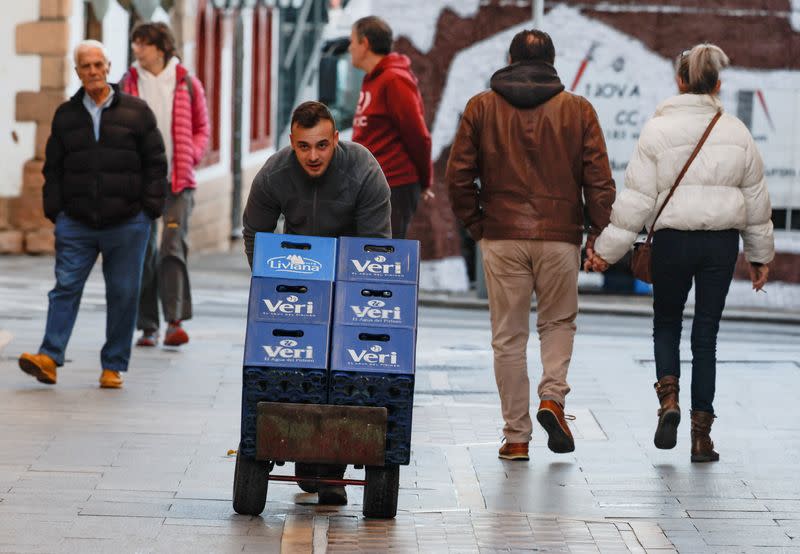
[(145, 468)]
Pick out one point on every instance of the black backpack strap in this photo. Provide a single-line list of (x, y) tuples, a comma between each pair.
[(189, 86)]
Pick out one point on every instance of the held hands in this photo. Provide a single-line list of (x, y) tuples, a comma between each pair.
[(594, 262), (758, 275), (428, 195)]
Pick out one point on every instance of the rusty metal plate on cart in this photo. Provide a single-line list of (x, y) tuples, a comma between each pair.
[(321, 433)]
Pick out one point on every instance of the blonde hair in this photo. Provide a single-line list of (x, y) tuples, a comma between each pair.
[(88, 45), (699, 67)]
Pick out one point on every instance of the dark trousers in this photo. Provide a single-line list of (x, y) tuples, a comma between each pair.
[(709, 258), (77, 247), (165, 275), (404, 204)]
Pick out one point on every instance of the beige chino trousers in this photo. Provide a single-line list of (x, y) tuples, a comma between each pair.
[(515, 269)]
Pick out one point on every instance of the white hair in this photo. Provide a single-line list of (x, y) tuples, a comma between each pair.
[(86, 45)]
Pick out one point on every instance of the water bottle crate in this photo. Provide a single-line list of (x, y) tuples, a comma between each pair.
[(382, 260), (391, 391), (269, 384)]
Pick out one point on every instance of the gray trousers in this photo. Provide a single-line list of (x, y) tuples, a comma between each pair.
[(404, 204), (165, 273)]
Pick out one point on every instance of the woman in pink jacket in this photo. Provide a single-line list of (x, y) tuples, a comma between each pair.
[(178, 101)]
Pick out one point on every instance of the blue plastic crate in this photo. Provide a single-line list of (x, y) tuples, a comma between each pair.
[(294, 257), (390, 391), (384, 260), (268, 384), (377, 349), (286, 345), (290, 301), (378, 304)]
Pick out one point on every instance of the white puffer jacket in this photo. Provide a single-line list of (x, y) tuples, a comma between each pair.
[(724, 188)]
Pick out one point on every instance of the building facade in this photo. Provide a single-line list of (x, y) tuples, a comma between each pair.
[(258, 58)]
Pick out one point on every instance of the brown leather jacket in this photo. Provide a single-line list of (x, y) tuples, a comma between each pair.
[(539, 153)]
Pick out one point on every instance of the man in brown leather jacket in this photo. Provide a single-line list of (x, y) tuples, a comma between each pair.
[(538, 153)]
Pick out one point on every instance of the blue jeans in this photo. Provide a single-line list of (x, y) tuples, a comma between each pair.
[(77, 246), (709, 258)]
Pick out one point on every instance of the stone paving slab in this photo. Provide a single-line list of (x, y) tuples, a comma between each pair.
[(146, 469)]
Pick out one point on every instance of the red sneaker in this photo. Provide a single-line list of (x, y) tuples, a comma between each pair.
[(175, 336), (148, 338)]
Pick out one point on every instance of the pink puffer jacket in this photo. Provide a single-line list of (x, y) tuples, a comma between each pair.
[(190, 130)]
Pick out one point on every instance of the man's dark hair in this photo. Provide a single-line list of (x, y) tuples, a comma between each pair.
[(157, 34), (308, 114), (377, 32), (532, 46)]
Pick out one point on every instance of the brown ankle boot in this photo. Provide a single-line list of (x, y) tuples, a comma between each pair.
[(669, 415), (702, 447)]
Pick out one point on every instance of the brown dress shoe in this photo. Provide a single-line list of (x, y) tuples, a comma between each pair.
[(514, 451), (669, 415), (110, 380), (702, 446), (41, 366), (551, 417)]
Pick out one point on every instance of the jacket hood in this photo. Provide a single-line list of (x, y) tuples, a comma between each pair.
[(696, 103), (174, 62), (392, 61), (527, 84)]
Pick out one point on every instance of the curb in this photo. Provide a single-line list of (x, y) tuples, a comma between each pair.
[(614, 306)]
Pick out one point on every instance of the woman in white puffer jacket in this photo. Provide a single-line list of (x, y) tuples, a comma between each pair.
[(723, 195)]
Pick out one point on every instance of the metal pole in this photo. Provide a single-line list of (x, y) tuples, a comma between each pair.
[(537, 13), (238, 101)]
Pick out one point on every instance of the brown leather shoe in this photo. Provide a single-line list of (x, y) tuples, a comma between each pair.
[(514, 451), (41, 366), (702, 446), (110, 379), (551, 417), (669, 415)]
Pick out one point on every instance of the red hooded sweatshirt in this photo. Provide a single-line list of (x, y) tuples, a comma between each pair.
[(390, 122)]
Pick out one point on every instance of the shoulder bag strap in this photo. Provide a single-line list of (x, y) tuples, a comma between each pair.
[(683, 172)]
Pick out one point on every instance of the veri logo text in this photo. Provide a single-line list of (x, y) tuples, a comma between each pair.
[(287, 350), (378, 266), (373, 356), (375, 310)]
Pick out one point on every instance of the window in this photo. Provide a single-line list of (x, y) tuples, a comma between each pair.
[(93, 27), (794, 223), (209, 70), (261, 90), (779, 217)]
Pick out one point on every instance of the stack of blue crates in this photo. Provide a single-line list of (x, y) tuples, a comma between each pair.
[(375, 331), (288, 325)]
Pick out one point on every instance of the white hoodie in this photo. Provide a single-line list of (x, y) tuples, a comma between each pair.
[(159, 92), (724, 187)]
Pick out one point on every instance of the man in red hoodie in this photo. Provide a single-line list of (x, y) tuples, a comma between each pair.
[(390, 120)]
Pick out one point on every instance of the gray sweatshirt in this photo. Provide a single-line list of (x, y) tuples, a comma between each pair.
[(350, 199)]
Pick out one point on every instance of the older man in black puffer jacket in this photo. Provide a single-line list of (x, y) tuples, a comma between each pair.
[(105, 179)]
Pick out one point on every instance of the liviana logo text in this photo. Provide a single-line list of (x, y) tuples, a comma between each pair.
[(291, 306), (374, 355), (287, 350), (378, 266), (375, 309), (294, 263)]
